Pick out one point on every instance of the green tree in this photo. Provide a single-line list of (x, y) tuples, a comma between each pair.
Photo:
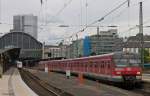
[(93, 53), (146, 56)]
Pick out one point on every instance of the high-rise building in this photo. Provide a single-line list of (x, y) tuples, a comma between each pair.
[(105, 42), (25, 23), (102, 43)]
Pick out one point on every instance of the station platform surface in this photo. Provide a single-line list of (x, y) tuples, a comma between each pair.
[(72, 85), (11, 84), (146, 77)]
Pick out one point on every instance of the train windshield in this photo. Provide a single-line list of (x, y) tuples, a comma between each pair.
[(124, 60)]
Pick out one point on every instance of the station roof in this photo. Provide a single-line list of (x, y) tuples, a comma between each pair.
[(8, 49)]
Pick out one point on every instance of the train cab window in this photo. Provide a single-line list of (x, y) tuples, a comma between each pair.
[(126, 59)]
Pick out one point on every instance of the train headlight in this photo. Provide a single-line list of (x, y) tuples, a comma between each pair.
[(138, 73)]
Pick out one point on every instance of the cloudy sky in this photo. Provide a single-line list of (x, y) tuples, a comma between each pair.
[(74, 13)]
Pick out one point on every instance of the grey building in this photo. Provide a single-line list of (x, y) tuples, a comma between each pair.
[(51, 51), (63, 50), (102, 43), (105, 42), (25, 23), (133, 44), (75, 50)]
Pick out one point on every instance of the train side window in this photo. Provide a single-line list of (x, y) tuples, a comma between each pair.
[(82, 64), (101, 65), (86, 65), (109, 62), (108, 66), (90, 65), (96, 65)]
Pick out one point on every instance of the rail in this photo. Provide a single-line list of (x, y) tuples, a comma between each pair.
[(42, 88)]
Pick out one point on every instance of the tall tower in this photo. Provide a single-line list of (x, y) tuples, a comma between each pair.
[(26, 23)]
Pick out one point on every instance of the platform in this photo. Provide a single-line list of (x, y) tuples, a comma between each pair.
[(11, 84), (146, 77), (72, 85)]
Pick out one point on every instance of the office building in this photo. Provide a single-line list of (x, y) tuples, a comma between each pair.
[(26, 23)]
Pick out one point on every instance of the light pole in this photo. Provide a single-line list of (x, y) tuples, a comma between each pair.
[(141, 33)]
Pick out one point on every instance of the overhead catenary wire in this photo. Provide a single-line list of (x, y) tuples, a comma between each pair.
[(58, 13), (101, 19), (61, 10), (133, 27), (107, 14), (136, 26)]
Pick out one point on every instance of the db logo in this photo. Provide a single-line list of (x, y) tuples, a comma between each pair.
[(128, 69)]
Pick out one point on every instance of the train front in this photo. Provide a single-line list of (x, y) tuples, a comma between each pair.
[(127, 68)]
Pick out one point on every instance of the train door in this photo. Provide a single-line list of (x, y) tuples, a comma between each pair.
[(85, 66), (81, 65), (99, 66), (90, 66), (63, 65), (102, 67), (72, 66), (109, 67), (93, 65), (105, 67), (96, 66), (66, 65), (75, 65), (78, 65)]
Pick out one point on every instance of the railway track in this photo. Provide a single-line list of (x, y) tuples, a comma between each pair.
[(145, 90), (41, 87)]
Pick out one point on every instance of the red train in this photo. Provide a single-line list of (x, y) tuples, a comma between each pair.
[(114, 67)]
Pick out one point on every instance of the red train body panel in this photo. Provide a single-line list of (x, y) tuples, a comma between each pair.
[(100, 67)]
